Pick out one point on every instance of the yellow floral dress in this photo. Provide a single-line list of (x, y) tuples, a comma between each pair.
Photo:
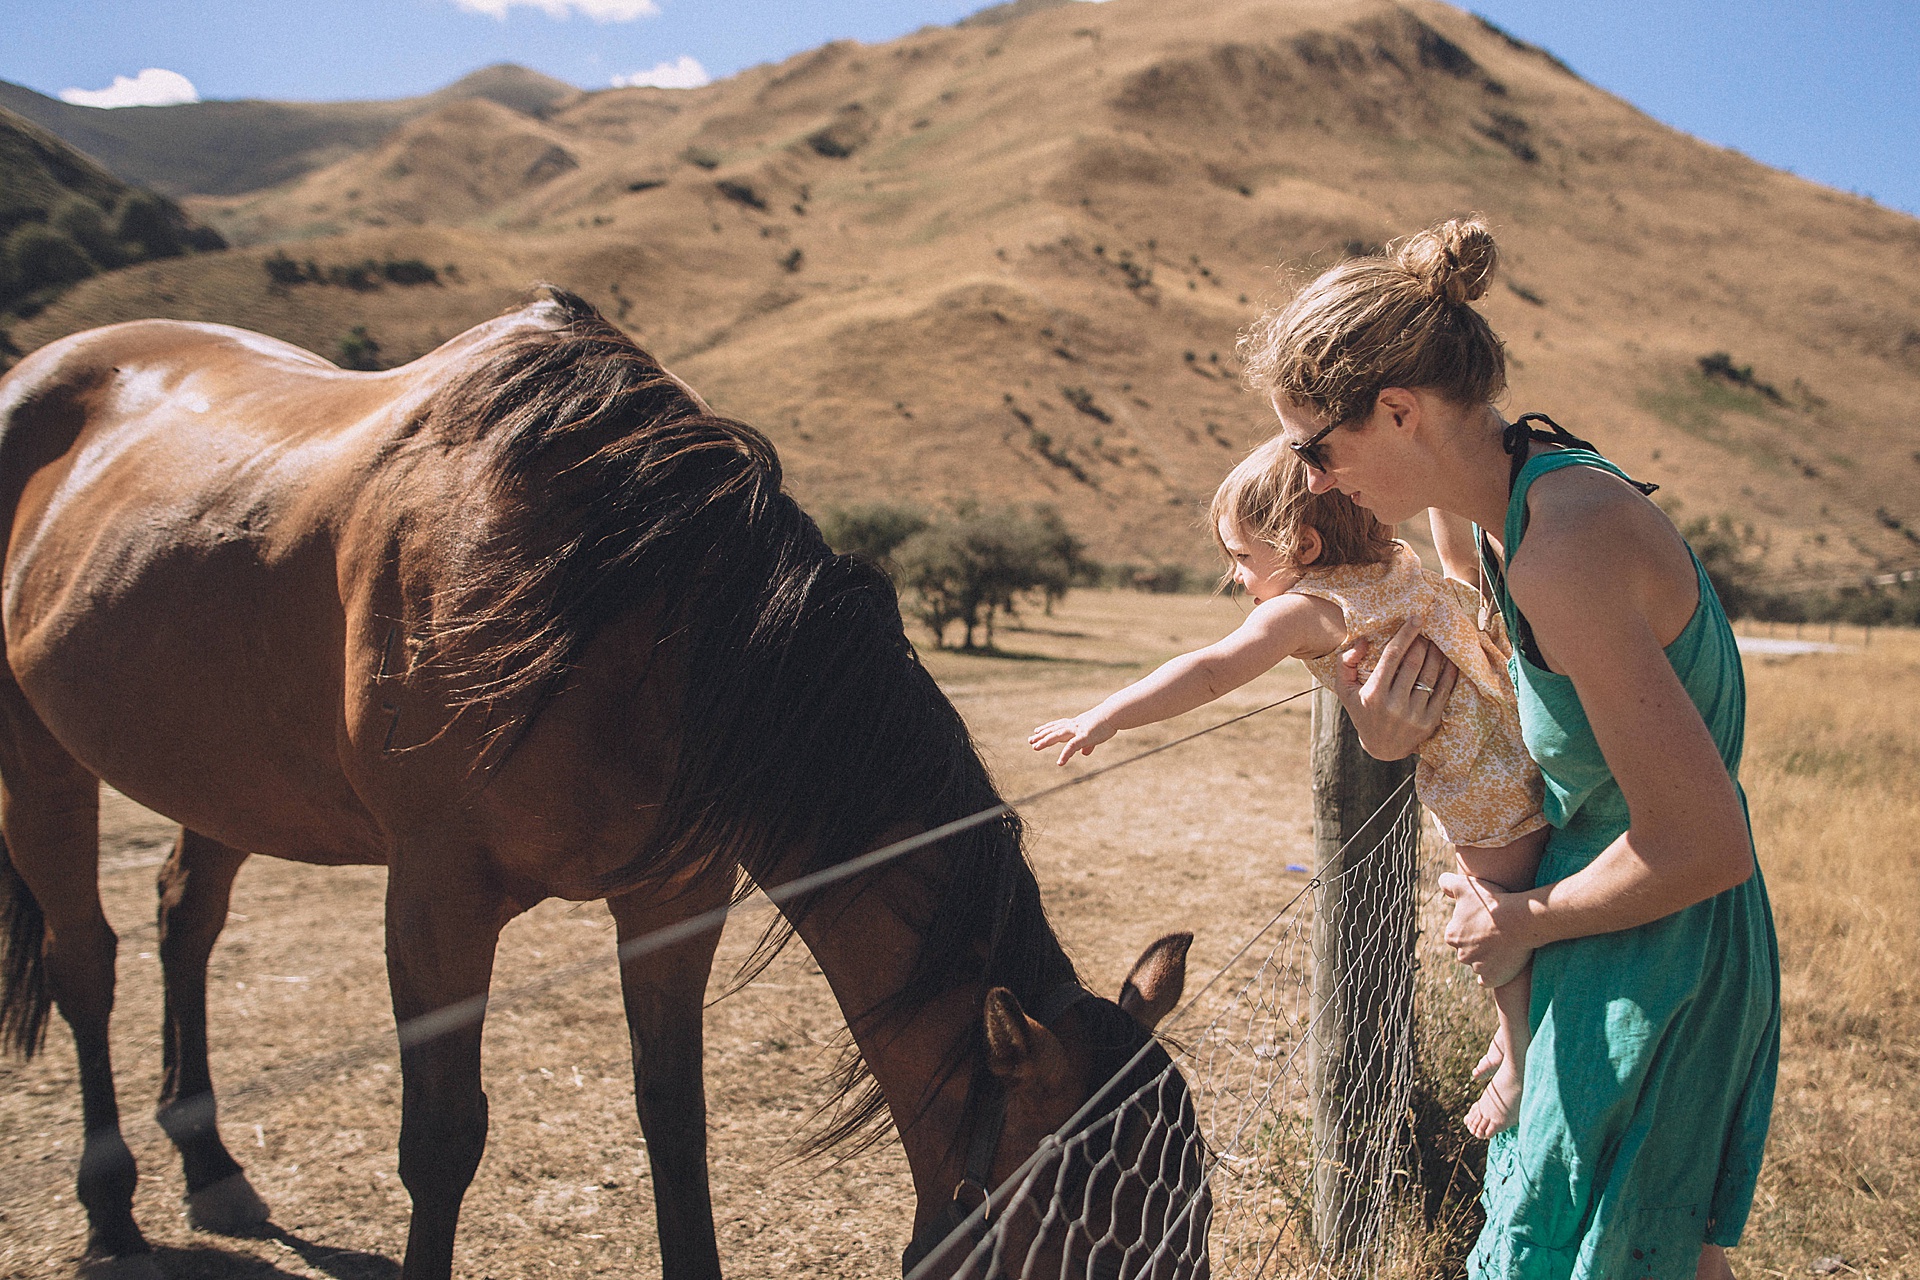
[(1474, 773)]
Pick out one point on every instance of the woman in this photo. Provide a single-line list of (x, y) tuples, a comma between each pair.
[(1655, 1007)]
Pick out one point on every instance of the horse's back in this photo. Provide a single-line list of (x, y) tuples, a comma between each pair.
[(176, 498)]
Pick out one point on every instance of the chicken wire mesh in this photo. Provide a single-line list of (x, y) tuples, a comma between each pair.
[(1280, 1140)]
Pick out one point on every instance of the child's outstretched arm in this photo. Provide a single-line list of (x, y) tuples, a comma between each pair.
[(1286, 626)]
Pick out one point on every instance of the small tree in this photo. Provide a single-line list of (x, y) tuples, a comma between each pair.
[(1063, 558), (932, 565), (1730, 557), (977, 563), (283, 270), (874, 531)]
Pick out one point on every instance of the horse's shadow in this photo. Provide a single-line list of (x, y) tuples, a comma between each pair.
[(210, 1262)]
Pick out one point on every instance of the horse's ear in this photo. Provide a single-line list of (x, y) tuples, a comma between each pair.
[(1018, 1048), (1158, 978)]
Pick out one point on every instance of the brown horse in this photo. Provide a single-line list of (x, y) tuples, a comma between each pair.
[(521, 619)]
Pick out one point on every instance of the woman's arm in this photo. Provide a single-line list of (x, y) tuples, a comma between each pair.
[(1286, 626), (1587, 581)]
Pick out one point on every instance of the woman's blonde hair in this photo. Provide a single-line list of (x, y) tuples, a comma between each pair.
[(1266, 498), (1400, 318)]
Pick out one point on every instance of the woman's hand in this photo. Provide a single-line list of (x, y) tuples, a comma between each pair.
[(1399, 706), (1485, 929), (1081, 734)]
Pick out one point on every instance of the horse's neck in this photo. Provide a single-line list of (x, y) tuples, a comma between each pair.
[(866, 950)]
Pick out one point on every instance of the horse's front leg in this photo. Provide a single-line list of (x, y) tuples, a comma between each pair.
[(443, 923), (664, 990), (196, 885)]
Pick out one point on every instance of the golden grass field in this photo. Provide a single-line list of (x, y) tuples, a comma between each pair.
[(1833, 751), (1196, 838)]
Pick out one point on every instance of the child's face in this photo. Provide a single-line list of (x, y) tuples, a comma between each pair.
[(1258, 569)]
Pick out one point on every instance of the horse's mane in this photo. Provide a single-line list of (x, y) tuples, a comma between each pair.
[(808, 721)]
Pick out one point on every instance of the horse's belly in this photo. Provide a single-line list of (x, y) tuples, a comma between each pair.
[(205, 684)]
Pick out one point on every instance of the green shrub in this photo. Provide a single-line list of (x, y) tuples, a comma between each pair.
[(1731, 558), (408, 271), (359, 350), (149, 224), (1721, 366), (83, 222), (740, 192), (361, 277), (1162, 577), (284, 270), (40, 257)]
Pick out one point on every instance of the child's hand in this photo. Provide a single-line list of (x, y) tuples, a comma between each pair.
[(1081, 734)]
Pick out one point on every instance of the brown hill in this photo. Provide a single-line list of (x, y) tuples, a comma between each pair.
[(1010, 259), (63, 218), (449, 166), (224, 148)]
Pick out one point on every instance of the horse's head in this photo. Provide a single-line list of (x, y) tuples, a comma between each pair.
[(1084, 1156)]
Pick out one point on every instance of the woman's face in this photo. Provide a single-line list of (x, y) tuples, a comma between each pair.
[(1369, 463)]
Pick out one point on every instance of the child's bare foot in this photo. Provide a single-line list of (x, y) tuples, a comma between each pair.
[(1490, 1060), (1499, 1105)]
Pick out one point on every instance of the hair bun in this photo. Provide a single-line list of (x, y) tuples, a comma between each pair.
[(1455, 260)]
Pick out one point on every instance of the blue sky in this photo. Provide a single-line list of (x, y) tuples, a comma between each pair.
[(1827, 88)]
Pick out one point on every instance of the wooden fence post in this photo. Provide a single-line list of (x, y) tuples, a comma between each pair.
[(1359, 1052)]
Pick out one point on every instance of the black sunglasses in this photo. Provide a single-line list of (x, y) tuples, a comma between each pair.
[(1308, 450)]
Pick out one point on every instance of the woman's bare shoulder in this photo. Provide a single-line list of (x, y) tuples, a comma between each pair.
[(1593, 540)]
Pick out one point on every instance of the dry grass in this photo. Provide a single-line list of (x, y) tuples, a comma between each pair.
[(1832, 749), (1196, 838)]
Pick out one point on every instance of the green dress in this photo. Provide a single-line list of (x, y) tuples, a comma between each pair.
[(1650, 1079)]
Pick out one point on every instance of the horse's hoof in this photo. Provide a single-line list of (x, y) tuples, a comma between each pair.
[(229, 1207), (128, 1266)]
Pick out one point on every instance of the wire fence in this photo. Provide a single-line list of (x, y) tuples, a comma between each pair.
[(1261, 1165), (1246, 1157)]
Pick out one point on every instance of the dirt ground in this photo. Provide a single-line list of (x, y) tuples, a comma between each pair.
[(1198, 838)]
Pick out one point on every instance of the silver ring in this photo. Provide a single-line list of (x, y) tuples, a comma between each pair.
[(1424, 688)]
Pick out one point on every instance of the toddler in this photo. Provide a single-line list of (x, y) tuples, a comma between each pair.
[(1324, 573)]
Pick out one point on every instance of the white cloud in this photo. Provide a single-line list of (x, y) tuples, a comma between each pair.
[(598, 10), (684, 72), (151, 88)]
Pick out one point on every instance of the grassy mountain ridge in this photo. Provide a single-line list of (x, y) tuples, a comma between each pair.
[(225, 148), (1011, 258), (64, 218)]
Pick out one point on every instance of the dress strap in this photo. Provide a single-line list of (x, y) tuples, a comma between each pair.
[(1520, 432)]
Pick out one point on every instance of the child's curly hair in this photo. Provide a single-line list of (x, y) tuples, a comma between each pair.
[(1266, 498)]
